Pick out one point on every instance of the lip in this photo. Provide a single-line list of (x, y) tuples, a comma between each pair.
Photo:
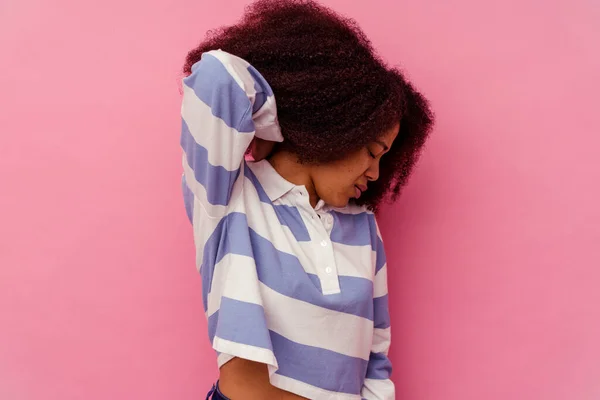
[(359, 190)]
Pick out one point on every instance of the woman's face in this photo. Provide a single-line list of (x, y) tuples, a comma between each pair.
[(338, 182)]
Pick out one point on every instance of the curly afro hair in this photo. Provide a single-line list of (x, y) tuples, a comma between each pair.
[(334, 93)]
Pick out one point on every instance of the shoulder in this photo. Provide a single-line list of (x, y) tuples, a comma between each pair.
[(357, 224)]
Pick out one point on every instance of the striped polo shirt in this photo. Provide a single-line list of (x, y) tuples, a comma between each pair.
[(300, 289)]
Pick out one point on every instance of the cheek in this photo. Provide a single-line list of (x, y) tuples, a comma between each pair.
[(333, 181), (348, 176), (342, 175), (358, 168)]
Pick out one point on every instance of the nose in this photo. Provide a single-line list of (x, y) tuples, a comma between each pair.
[(372, 173)]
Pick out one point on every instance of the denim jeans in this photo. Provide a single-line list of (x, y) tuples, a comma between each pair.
[(215, 393)]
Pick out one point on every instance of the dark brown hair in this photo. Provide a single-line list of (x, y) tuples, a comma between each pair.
[(334, 94)]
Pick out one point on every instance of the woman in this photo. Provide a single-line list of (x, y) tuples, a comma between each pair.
[(292, 263)]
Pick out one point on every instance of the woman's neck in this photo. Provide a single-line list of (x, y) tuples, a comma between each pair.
[(288, 166)]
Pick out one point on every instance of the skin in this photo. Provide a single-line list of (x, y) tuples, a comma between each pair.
[(248, 380), (336, 183)]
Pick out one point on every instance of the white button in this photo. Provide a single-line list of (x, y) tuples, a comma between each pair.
[(324, 243), (328, 270)]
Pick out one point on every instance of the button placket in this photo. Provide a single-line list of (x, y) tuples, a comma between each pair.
[(329, 280), (326, 220), (320, 222), (329, 219)]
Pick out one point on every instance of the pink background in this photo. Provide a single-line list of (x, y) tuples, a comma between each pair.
[(493, 249)]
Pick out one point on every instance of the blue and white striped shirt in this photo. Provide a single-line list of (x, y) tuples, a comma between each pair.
[(301, 289)]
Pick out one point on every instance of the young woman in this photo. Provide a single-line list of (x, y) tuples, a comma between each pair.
[(292, 263)]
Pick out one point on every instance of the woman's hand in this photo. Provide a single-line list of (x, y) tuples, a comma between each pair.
[(260, 148)]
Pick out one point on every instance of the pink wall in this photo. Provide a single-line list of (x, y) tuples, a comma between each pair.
[(494, 254)]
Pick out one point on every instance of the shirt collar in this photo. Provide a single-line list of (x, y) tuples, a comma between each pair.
[(274, 185)]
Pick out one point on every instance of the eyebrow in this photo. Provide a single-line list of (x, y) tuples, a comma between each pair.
[(385, 147)]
